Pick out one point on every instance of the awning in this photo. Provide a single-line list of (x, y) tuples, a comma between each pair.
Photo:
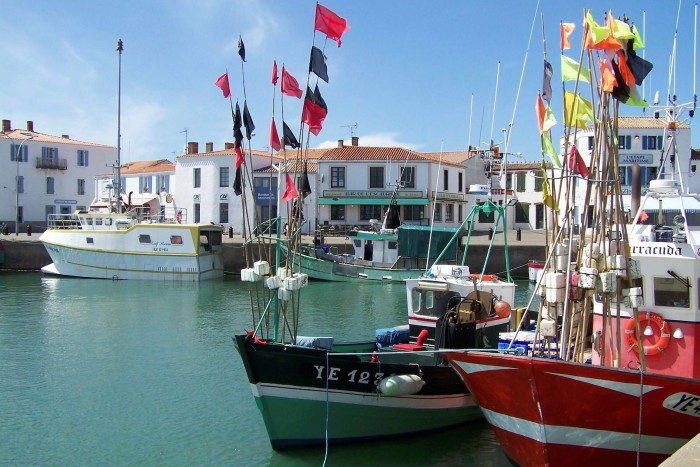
[(374, 201)]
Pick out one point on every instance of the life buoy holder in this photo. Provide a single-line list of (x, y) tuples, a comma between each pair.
[(152, 212), (645, 317), (485, 277), (178, 216)]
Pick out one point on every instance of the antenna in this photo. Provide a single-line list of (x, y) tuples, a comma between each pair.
[(351, 127), (185, 132)]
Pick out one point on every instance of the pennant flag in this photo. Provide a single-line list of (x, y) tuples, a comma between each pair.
[(237, 134), (576, 163), (274, 137), (639, 67), (317, 63), (305, 185), (313, 112), (570, 70), (247, 121), (607, 76), (565, 30), (327, 22), (222, 83), (291, 191), (274, 73), (289, 138), (549, 151), (239, 155), (547, 82), (237, 186), (579, 111), (241, 48), (547, 198), (290, 86), (625, 71), (540, 110)]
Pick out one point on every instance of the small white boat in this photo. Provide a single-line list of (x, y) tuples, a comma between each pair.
[(133, 245)]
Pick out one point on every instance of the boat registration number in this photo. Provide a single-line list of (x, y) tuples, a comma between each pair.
[(352, 376), (684, 403)]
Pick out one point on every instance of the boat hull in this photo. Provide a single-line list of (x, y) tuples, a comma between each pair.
[(289, 384), (547, 412), (116, 254)]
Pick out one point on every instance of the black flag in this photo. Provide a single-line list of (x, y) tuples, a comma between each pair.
[(247, 121), (237, 183), (392, 219), (237, 134), (317, 63), (547, 82), (305, 185), (318, 100), (241, 48), (289, 138), (639, 67)]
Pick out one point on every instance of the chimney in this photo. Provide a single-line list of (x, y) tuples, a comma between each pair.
[(355, 140), (210, 147), (6, 126), (65, 136), (192, 147), (30, 126), (340, 143), (228, 145)]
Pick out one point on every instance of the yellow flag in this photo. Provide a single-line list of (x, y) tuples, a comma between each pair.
[(570, 70), (579, 111), (547, 198)]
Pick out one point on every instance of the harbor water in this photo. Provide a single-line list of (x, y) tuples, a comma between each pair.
[(96, 372)]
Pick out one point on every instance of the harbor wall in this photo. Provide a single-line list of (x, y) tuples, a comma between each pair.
[(30, 255)]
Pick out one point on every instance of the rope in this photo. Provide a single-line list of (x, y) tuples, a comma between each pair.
[(641, 407), (328, 406)]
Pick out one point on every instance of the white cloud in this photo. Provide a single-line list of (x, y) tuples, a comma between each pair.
[(382, 140)]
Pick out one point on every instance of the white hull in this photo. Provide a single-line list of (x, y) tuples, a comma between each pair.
[(169, 252)]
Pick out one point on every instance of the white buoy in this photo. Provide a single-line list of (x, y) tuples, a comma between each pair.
[(401, 385)]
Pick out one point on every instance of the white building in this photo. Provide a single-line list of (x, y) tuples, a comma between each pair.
[(53, 174)]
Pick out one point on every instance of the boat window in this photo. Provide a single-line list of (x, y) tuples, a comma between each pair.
[(108, 221), (98, 221), (90, 240), (358, 243), (392, 245), (204, 242), (416, 297), (669, 291), (89, 221), (215, 238), (434, 303), (144, 238), (176, 239)]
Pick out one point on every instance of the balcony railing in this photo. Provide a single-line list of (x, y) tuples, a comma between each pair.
[(58, 164)]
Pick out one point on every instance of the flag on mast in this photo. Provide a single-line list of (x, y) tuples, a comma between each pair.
[(222, 83), (289, 138), (290, 192), (290, 86), (274, 73), (317, 63), (241, 48), (274, 137), (327, 22)]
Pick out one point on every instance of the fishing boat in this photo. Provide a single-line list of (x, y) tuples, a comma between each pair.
[(136, 244), (385, 255), (631, 398), (121, 241)]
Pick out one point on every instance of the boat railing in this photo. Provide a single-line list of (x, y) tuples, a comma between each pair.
[(164, 215), (63, 221)]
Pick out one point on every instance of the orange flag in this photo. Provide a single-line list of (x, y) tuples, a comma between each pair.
[(566, 29), (624, 68), (608, 78), (540, 110)]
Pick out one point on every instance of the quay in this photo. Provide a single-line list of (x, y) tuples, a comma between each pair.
[(26, 253)]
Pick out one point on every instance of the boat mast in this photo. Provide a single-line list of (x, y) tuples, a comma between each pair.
[(117, 168)]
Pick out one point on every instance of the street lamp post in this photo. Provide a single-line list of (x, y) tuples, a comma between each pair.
[(18, 154)]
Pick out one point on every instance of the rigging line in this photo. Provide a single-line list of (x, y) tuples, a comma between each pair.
[(495, 98), (432, 218), (522, 76), (471, 111)]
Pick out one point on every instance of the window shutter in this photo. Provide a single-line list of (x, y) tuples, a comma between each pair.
[(140, 184), (628, 141), (659, 142), (644, 142), (86, 158)]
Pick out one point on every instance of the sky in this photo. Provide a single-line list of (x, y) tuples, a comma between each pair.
[(417, 74)]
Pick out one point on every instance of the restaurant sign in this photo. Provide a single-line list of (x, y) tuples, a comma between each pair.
[(641, 159), (370, 194)]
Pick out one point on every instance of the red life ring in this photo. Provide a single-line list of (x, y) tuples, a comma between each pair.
[(178, 216), (655, 318)]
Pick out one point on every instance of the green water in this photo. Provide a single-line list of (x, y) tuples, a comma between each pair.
[(96, 372)]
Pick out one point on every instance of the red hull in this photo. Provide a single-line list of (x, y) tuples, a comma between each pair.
[(548, 412)]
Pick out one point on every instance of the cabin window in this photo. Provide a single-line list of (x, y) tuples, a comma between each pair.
[(98, 221), (670, 291), (89, 220), (144, 238), (376, 177), (357, 243), (416, 297), (108, 221), (90, 240), (435, 304), (176, 239), (408, 177), (368, 212), (392, 245)]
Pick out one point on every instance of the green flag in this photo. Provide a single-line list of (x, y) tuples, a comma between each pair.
[(549, 151), (570, 70)]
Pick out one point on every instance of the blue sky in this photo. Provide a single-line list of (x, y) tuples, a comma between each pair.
[(405, 73)]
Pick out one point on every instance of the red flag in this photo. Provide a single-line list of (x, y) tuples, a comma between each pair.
[(274, 72), (313, 115), (239, 155), (222, 83), (290, 86), (540, 110), (274, 137), (329, 23), (576, 163), (624, 68), (291, 191)]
